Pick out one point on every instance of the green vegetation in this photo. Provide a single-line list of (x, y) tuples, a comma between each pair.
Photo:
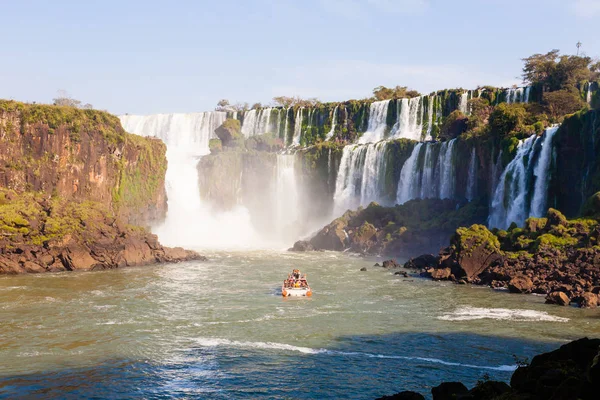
[(31, 218), (398, 92)]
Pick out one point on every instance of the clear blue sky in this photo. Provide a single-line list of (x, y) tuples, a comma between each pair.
[(144, 57)]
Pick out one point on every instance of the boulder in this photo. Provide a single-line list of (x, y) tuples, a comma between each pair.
[(520, 284), (363, 269), (77, 257), (488, 390), (302, 246), (391, 264), (229, 131), (406, 395), (439, 273), (566, 373), (588, 300), (449, 391), (424, 261), (559, 298), (475, 250)]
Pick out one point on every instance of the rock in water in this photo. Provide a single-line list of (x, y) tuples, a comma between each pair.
[(391, 264), (559, 298), (566, 373), (424, 261), (363, 269), (407, 395), (440, 273), (449, 391), (302, 246), (588, 300), (520, 284)]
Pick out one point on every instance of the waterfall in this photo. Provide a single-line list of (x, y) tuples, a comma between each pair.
[(257, 122), (427, 181), (472, 178), (463, 103), (189, 222), (410, 119), (360, 176), (297, 127), (430, 176), (430, 112), (518, 95), (540, 193), (377, 122), (408, 185), (333, 124), (447, 170), (184, 131), (286, 196), (287, 124)]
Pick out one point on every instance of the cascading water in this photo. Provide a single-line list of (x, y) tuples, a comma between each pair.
[(333, 124), (257, 122), (297, 127), (407, 185), (463, 103), (518, 95), (286, 196), (540, 193), (360, 176), (190, 223), (512, 200), (429, 176), (377, 122), (410, 119), (472, 178)]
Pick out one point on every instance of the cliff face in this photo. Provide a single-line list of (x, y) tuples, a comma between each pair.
[(82, 155), (73, 184), (576, 170)]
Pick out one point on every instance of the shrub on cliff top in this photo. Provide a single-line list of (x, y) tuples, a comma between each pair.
[(229, 132)]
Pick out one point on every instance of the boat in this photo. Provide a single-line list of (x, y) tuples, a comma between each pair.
[(296, 285)]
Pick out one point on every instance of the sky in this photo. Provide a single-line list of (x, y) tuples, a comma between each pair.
[(148, 57)]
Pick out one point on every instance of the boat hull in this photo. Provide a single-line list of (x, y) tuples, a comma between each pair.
[(296, 292)]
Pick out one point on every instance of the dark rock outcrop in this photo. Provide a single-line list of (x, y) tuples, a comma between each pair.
[(552, 256), (407, 395), (448, 391), (571, 372), (404, 229)]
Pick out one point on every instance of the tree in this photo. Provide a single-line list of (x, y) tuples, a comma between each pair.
[(554, 72), (222, 105), (563, 102), (64, 99), (284, 101), (256, 106), (399, 92), (508, 118)]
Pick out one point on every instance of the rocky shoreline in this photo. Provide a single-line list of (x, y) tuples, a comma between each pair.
[(39, 233), (568, 373), (551, 256)]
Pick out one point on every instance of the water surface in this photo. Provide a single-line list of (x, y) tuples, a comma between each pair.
[(220, 329)]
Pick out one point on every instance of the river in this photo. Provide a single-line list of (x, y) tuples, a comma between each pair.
[(220, 329)]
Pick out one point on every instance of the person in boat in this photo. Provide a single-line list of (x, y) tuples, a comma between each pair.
[(296, 274)]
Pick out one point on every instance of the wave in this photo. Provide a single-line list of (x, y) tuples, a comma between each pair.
[(502, 314), (217, 342)]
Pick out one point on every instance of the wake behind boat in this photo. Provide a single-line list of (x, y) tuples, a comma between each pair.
[(296, 285)]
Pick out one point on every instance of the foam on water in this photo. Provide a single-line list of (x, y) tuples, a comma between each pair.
[(502, 314), (219, 342)]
